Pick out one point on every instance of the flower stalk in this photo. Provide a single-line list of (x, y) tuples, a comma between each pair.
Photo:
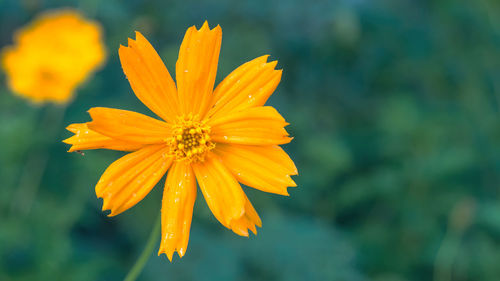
[(136, 270)]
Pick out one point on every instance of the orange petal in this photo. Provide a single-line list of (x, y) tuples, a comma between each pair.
[(249, 85), (266, 168), (196, 68), (129, 179), (177, 209), (248, 221), (149, 78), (85, 138), (253, 126), (223, 194), (128, 125)]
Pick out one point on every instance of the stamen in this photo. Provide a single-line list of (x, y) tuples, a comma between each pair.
[(191, 139)]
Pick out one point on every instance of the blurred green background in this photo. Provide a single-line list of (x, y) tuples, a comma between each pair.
[(394, 106)]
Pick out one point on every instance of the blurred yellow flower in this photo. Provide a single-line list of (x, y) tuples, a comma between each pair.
[(52, 56), (215, 137)]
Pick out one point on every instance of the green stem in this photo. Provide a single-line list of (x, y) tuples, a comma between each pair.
[(146, 253), (36, 162), (460, 218)]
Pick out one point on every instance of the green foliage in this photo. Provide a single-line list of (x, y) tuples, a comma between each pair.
[(394, 106)]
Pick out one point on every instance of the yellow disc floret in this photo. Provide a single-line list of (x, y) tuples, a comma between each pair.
[(191, 139)]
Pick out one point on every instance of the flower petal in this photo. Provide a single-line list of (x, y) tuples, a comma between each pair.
[(128, 125), (249, 85), (253, 126), (223, 194), (196, 68), (177, 209), (86, 138), (266, 168), (149, 78), (129, 179), (248, 221)]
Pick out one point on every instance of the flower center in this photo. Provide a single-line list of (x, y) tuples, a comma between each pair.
[(46, 75), (191, 139)]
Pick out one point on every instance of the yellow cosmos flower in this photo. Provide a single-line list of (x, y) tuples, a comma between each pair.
[(52, 56), (214, 137)]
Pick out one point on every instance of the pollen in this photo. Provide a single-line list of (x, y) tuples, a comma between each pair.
[(191, 140)]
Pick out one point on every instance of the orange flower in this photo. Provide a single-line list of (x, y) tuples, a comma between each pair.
[(214, 137), (52, 56)]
